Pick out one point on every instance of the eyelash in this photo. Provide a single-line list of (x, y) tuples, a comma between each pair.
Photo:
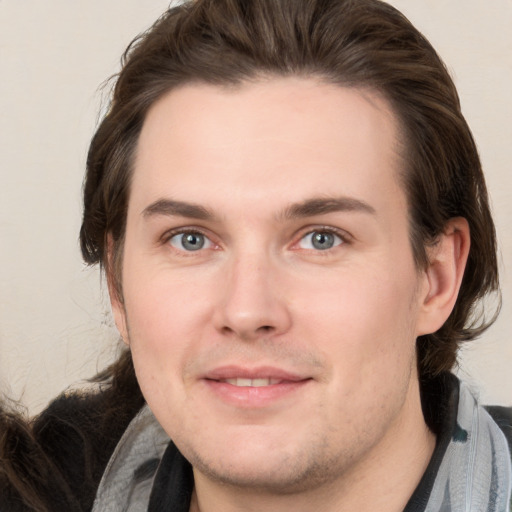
[(169, 235), (342, 235)]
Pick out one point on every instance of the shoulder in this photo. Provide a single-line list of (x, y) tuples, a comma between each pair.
[(78, 433), (56, 461), (127, 481), (503, 418)]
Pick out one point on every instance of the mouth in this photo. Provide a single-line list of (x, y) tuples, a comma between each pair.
[(251, 383), (254, 388)]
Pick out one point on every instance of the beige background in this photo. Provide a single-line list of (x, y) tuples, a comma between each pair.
[(55, 326)]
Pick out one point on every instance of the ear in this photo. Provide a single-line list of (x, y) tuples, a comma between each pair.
[(443, 276), (115, 293)]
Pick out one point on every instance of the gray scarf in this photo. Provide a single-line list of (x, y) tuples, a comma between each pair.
[(475, 473)]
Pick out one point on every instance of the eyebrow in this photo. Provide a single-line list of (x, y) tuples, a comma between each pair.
[(307, 208), (170, 207), (321, 206)]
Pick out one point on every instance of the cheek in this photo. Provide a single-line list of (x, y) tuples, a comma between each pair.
[(164, 306), (165, 320), (362, 321), (161, 341)]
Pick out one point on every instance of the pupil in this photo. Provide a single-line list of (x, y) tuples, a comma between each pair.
[(323, 241), (193, 242)]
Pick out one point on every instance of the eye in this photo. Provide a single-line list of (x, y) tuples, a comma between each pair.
[(320, 240), (190, 241)]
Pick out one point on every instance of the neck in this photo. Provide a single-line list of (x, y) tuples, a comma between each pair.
[(383, 481)]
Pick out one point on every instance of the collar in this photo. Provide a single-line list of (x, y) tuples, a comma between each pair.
[(470, 469)]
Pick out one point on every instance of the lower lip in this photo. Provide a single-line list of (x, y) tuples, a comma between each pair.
[(254, 397)]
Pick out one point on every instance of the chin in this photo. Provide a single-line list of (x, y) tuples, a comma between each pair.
[(278, 477), (280, 465)]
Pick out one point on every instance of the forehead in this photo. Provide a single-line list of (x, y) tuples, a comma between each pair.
[(281, 139)]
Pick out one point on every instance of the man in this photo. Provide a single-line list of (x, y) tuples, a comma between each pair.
[(294, 226)]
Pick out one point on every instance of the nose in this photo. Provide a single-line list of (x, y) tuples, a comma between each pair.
[(252, 302)]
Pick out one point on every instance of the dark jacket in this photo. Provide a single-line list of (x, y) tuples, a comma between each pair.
[(77, 436)]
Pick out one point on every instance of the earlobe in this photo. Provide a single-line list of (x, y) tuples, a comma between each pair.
[(116, 302), (119, 315), (447, 261)]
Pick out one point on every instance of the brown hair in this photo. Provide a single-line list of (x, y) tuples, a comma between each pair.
[(355, 43)]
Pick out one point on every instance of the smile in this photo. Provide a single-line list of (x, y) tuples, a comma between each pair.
[(255, 388), (251, 383)]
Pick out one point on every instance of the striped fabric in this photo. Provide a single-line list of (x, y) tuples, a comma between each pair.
[(470, 470), (475, 474)]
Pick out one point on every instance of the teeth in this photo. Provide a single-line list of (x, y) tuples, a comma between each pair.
[(254, 383), (260, 382)]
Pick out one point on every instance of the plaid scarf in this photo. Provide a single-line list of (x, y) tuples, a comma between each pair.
[(475, 474), (470, 470)]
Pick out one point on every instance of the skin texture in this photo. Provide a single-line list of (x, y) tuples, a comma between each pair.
[(253, 174)]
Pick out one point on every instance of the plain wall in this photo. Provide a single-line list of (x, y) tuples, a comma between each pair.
[(55, 324)]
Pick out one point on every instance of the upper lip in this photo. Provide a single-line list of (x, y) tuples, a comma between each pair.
[(261, 372)]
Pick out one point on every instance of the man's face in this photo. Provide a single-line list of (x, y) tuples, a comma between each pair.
[(271, 300)]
